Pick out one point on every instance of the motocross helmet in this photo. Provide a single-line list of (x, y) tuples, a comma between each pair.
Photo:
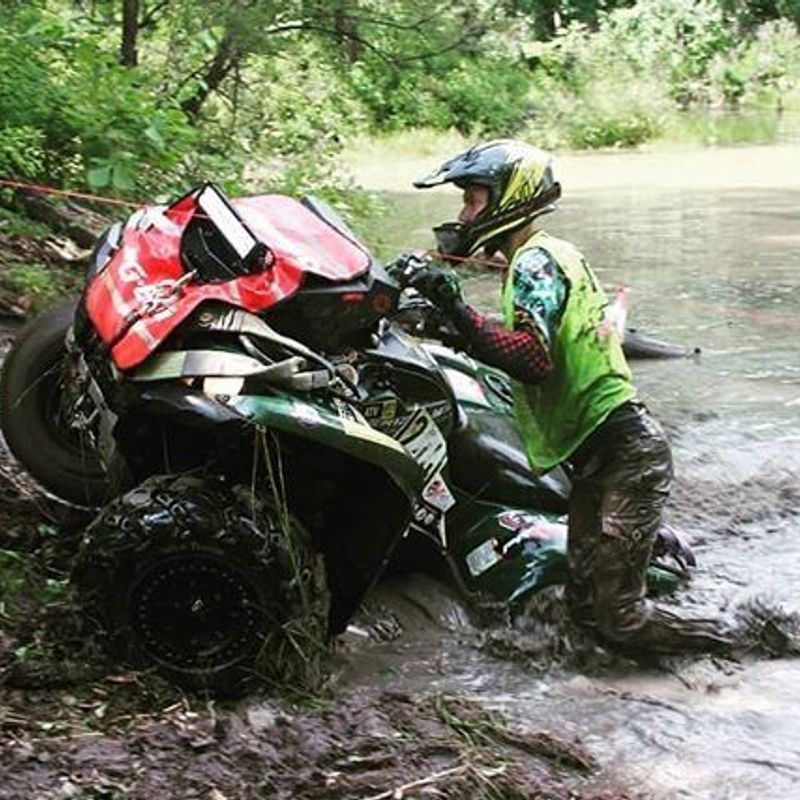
[(521, 187)]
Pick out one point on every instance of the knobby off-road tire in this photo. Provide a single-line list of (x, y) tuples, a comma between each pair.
[(208, 583), (31, 417)]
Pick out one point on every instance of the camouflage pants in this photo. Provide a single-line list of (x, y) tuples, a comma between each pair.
[(621, 480)]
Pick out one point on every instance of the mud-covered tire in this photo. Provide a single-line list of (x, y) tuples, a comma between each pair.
[(30, 413), (201, 581)]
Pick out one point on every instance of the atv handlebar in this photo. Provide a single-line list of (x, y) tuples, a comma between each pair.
[(414, 313), (406, 266)]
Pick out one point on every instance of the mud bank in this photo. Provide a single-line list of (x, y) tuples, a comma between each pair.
[(370, 745)]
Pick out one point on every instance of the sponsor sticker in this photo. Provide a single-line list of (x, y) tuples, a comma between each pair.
[(437, 494), (483, 557), (465, 387), (369, 434), (424, 441)]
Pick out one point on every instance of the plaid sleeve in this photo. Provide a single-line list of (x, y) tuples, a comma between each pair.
[(540, 292), (522, 354)]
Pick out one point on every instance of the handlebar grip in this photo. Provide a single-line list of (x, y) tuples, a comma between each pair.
[(405, 267)]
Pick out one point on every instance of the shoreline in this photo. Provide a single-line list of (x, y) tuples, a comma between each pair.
[(775, 166)]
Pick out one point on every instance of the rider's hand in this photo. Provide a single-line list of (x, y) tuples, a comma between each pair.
[(406, 265), (440, 286)]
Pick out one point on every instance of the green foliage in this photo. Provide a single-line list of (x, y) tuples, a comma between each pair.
[(22, 152), (33, 281), (615, 130), (73, 116), (32, 132), (468, 93), (32, 288), (764, 69), (261, 94), (131, 141), (751, 15), (14, 224), (622, 83), (23, 586)]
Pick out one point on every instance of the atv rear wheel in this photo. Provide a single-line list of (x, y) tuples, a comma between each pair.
[(210, 584), (32, 417)]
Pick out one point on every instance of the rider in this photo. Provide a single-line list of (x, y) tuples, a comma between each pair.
[(574, 397)]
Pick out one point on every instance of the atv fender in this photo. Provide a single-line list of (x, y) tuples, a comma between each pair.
[(380, 483), (333, 429)]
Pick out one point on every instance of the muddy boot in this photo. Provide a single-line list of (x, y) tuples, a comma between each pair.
[(625, 618)]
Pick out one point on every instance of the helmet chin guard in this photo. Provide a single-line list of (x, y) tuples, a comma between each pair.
[(451, 239)]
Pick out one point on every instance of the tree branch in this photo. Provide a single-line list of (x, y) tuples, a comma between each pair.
[(225, 59), (301, 26), (305, 25), (149, 17)]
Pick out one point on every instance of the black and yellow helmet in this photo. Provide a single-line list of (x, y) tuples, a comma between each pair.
[(521, 187)]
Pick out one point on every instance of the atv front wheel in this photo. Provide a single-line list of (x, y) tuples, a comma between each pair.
[(32, 417), (211, 585)]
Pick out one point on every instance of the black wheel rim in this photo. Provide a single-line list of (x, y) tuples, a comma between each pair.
[(196, 612)]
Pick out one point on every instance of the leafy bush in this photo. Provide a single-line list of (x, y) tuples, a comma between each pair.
[(623, 83), (623, 130), (767, 65), (73, 115), (131, 141), (22, 153), (468, 92)]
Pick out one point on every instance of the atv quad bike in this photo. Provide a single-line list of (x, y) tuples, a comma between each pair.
[(260, 439)]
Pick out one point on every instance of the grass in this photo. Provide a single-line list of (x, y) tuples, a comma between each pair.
[(291, 654), (31, 275), (720, 129)]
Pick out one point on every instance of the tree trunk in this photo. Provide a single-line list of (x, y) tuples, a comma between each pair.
[(547, 19), (128, 55), (346, 32), (225, 59)]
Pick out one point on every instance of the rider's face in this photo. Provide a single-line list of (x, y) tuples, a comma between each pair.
[(475, 200)]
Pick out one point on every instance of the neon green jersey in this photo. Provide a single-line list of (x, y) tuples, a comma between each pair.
[(590, 377)]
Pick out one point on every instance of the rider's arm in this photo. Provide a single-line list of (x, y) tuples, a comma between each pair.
[(540, 290)]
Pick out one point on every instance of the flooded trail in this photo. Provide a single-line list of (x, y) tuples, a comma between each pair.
[(709, 245)]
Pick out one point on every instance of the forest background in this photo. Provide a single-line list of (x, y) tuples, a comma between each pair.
[(142, 99)]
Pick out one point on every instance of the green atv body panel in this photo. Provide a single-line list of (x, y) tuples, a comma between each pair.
[(511, 553), (333, 427)]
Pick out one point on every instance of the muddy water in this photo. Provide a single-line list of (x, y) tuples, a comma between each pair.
[(709, 245)]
